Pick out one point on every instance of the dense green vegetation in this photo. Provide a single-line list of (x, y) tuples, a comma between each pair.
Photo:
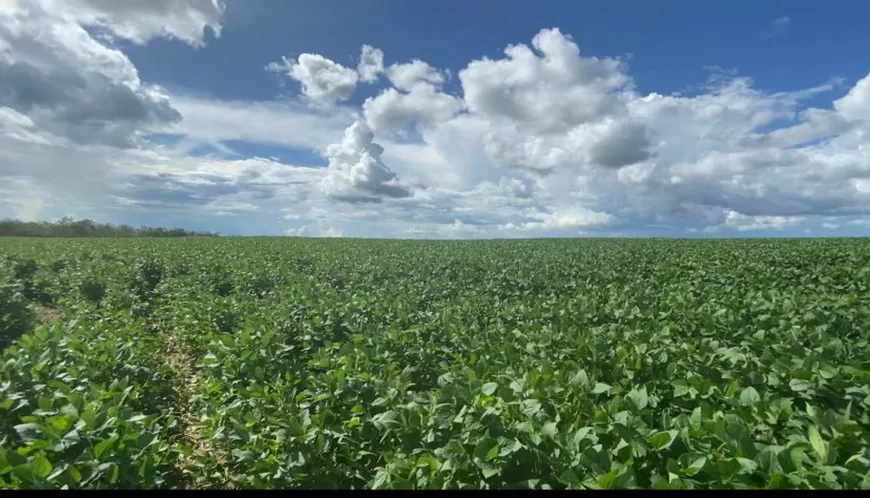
[(260, 363), (68, 227)]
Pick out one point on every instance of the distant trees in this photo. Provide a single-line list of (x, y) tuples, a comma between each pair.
[(68, 227)]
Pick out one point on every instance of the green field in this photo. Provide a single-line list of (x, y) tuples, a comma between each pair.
[(280, 363)]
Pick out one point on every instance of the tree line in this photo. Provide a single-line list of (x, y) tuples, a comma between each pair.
[(68, 227)]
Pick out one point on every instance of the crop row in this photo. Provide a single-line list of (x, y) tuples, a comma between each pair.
[(376, 364)]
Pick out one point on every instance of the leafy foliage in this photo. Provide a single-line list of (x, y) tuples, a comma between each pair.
[(549, 364), (148, 274), (15, 315)]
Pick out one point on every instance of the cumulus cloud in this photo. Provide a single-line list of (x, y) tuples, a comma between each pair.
[(725, 157), (550, 92), (142, 20), (356, 172), (554, 108), (561, 219), (71, 85), (416, 99), (711, 160), (406, 76), (422, 105), (855, 105), (608, 143), (323, 80), (371, 64), (72, 107)]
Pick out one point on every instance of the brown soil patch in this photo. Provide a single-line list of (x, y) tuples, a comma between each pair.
[(49, 314)]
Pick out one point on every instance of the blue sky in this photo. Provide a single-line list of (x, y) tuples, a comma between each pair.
[(618, 118), (670, 42)]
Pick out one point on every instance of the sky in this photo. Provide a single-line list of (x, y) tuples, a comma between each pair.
[(439, 119)]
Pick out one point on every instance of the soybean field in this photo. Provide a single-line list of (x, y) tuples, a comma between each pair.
[(339, 363)]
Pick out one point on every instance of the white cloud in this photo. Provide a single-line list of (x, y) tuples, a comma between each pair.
[(608, 143), (356, 172), (416, 99), (781, 21), (458, 228), (573, 218), (422, 105), (142, 20), (545, 107), (73, 109), (550, 92), (406, 76), (743, 223), (69, 84), (706, 159), (514, 187), (17, 126), (371, 64), (324, 81), (855, 105)]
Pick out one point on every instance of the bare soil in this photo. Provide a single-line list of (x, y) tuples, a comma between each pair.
[(49, 314)]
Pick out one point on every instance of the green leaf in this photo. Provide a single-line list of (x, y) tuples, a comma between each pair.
[(579, 378), (818, 444), (13, 458), (489, 471), (89, 416), (509, 446), (531, 407), (486, 450), (747, 466), (570, 479), (601, 387), (607, 480), (696, 465), (695, 418), (581, 434), (639, 397), (797, 457), (25, 473), (489, 388), (387, 420), (102, 446), (41, 466), (800, 385), (663, 440), (749, 396), (525, 427), (550, 429)]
